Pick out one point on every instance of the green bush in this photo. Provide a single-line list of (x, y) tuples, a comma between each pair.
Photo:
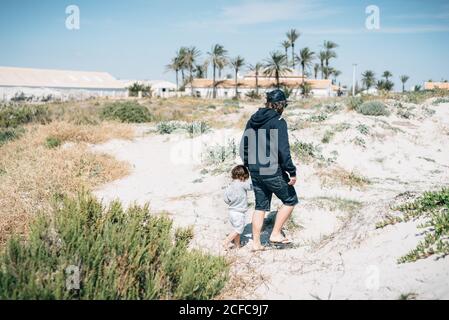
[(119, 255), (197, 128), (130, 112), (353, 103), (363, 129), (328, 135), (10, 134), (168, 127), (440, 100), (433, 208), (306, 151), (373, 108), (12, 115), (220, 154), (318, 118), (52, 142)]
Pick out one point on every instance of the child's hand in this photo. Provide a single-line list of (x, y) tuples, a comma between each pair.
[(292, 181)]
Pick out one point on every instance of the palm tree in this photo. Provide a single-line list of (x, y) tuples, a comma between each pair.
[(292, 36), (316, 68), (329, 53), (175, 66), (200, 71), (237, 63), (329, 47), (386, 75), (404, 79), (180, 57), (368, 79), (327, 71), (305, 58), (336, 74), (276, 65), (217, 56), (322, 57), (286, 44), (256, 69), (189, 60), (221, 65)]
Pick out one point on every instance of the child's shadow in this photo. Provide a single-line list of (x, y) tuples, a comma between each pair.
[(267, 228)]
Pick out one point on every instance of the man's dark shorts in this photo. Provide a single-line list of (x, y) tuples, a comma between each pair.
[(265, 186)]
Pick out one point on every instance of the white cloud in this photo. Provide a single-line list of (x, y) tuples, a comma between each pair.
[(268, 11), (254, 12), (382, 30)]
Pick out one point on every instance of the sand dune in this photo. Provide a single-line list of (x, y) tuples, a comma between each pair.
[(339, 253)]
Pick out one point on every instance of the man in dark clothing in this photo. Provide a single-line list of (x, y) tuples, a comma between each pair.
[(265, 151)]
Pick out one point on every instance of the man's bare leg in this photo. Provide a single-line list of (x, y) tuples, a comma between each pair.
[(282, 216), (258, 219)]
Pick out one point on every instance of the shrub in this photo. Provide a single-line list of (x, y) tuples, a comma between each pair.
[(331, 108), (328, 135), (12, 116), (119, 255), (318, 118), (197, 128), (406, 114), (359, 142), (52, 142), (130, 112), (306, 151), (168, 127), (440, 100), (363, 129), (219, 154), (373, 108), (353, 103), (10, 134), (433, 207)]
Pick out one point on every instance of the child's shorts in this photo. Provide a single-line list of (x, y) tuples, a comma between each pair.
[(238, 221)]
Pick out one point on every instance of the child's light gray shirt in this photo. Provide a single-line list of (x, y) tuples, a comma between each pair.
[(236, 196)]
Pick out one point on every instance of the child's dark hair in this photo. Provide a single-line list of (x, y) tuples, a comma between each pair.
[(240, 173)]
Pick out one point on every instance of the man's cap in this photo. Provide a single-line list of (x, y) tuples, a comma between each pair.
[(276, 96)]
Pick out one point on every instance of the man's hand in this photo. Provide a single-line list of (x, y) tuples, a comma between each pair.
[(292, 181)]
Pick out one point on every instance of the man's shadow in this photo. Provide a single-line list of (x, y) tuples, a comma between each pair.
[(267, 228)]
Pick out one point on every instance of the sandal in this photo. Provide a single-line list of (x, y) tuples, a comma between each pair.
[(284, 241)]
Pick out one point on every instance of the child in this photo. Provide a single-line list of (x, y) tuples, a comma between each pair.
[(236, 198)]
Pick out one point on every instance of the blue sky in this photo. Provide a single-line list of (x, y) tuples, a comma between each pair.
[(135, 39)]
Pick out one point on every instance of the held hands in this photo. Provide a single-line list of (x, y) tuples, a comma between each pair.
[(292, 181)]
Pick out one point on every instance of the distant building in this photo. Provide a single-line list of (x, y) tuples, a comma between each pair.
[(159, 88), (436, 85), (44, 84), (246, 84)]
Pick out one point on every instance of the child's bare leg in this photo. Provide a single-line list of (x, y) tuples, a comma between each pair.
[(237, 241), (230, 239)]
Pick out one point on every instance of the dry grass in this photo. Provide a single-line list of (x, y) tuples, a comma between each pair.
[(68, 132), (338, 176), (244, 279), (31, 173)]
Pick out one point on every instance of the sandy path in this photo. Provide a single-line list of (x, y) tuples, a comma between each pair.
[(340, 254)]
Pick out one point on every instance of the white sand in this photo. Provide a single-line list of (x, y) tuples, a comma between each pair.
[(339, 255)]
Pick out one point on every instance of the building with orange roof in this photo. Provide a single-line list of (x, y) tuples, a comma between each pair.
[(436, 85), (247, 84)]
